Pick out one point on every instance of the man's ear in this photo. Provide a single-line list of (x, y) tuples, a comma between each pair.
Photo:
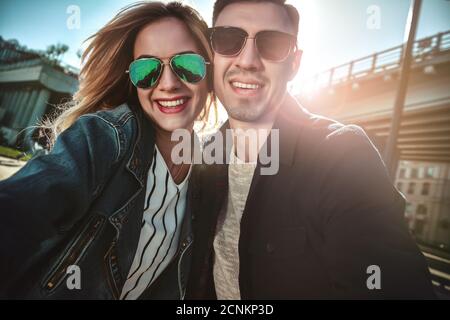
[(297, 58)]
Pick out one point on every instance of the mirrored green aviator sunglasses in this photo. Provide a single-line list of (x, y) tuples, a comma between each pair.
[(189, 67)]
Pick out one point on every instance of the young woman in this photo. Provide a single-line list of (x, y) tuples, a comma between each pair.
[(105, 215)]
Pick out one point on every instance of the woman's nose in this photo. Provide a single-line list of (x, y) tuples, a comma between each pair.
[(168, 80)]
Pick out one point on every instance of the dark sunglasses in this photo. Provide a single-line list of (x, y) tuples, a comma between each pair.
[(271, 45), (189, 67)]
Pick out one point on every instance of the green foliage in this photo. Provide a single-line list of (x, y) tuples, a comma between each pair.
[(13, 153)]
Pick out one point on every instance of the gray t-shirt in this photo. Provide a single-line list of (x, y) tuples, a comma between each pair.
[(226, 241)]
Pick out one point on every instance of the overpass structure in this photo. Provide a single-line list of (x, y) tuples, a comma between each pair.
[(363, 91)]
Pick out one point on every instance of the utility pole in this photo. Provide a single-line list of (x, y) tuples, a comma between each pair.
[(390, 154)]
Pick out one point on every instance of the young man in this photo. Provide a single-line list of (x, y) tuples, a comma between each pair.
[(329, 223)]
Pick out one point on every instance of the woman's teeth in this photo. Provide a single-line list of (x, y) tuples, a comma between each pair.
[(245, 85), (172, 104)]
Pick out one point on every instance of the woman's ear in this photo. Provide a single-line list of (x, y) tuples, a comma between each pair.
[(297, 58)]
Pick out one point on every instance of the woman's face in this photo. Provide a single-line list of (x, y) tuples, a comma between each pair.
[(171, 103)]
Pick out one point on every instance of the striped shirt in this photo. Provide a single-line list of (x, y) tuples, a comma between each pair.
[(165, 204)]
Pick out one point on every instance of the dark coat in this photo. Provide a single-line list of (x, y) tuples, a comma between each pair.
[(313, 229)]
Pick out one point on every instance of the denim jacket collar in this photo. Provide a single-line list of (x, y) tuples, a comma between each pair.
[(141, 157)]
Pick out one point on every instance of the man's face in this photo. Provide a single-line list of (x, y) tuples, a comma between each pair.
[(250, 87)]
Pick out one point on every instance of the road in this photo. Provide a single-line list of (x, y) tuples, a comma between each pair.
[(9, 166)]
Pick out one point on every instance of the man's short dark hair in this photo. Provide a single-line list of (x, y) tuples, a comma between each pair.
[(292, 12)]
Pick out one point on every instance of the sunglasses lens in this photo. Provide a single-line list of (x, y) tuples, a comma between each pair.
[(145, 72), (274, 45), (228, 41), (189, 67)]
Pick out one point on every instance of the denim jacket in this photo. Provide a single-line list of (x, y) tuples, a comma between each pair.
[(82, 205)]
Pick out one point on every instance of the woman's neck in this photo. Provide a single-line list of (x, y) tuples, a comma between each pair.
[(165, 146)]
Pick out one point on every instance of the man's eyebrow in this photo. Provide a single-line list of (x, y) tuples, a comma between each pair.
[(150, 56)]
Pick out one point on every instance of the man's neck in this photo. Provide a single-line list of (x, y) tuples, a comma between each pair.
[(243, 131)]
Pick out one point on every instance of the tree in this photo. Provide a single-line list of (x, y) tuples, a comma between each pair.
[(55, 52)]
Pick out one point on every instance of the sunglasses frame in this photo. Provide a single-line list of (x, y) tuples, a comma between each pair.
[(292, 48), (171, 68)]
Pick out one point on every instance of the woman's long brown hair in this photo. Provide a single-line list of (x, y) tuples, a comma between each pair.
[(103, 81)]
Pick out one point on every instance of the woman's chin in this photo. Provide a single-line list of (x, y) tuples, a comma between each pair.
[(172, 122), (176, 125)]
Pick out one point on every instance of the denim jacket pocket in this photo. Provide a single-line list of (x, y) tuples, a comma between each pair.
[(73, 253)]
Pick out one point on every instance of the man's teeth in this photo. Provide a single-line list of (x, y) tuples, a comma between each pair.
[(172, 104), (245, 85)]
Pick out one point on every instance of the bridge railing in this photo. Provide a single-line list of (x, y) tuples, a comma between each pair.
[(384, 60)]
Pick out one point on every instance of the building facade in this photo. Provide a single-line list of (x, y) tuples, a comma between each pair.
[(30, 88), (426, 186)]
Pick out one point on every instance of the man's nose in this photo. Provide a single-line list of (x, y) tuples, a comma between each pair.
[(249, 58), (168, 80)]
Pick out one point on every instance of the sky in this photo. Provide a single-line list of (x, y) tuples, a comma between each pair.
[(332, 32)]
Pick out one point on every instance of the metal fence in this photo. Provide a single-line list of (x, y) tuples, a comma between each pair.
[(382, 61)]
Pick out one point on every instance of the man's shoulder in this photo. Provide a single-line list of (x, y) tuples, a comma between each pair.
[(319, 128), (326, 137), (341, 154), (330, 131)]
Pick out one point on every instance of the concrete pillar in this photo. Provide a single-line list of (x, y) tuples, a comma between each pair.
[(39, 107), (5, 94), (6, 103), (29, 107), (20, 107), (392, 168)]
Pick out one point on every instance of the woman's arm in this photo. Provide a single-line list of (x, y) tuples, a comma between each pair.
[(43, 200)]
